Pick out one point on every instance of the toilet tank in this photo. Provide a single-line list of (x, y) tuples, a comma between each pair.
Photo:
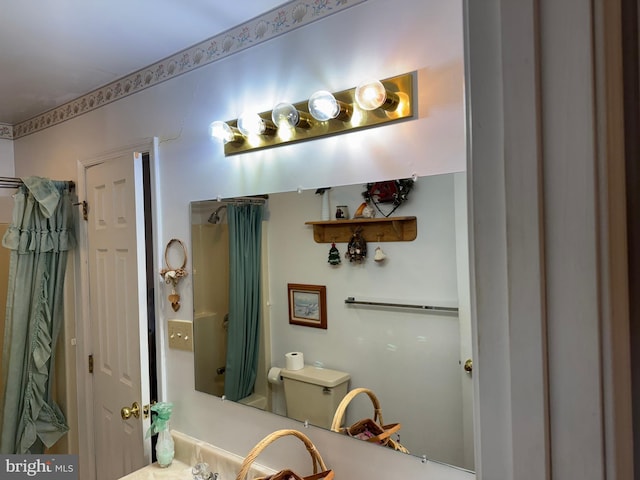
[(314, 394)]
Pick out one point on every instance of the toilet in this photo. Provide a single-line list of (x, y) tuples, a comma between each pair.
[(314, 394)]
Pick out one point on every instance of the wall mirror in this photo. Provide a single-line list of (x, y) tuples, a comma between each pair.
[(411, 358)]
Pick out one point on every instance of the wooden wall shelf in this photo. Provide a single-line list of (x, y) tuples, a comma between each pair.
[(387, 229)]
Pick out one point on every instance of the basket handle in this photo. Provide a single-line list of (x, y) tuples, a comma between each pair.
[(388, 431), (318, 463), (290, 475), (342, 407)]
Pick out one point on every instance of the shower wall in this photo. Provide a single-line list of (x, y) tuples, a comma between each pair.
[(6, 208), (210, 245)]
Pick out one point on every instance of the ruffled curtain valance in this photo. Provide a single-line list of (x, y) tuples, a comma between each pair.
[(35, 226)]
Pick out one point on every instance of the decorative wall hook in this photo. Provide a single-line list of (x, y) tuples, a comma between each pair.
[(172, 275)]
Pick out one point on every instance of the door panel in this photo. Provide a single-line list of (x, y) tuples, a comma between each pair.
[(118, 308)]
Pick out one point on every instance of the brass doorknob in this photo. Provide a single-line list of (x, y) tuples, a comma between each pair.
[(468, 366), (126, 413)]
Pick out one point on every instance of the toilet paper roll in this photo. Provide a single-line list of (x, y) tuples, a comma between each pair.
[(294, 360), (273, 376)]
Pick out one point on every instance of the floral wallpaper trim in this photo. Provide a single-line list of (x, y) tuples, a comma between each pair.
[(276, 22), (6, 131)]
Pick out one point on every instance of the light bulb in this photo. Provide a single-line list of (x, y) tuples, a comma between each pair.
[(250, 123), (372, 94), (285, 115), (223, 132), (323, 106)]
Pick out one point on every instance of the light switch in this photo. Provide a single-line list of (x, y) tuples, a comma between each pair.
[(181, 335)]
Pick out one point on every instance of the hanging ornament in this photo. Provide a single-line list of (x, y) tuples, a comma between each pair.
[(379, 255), (393, 193), (334, 255), (173, 275), (357, 248)]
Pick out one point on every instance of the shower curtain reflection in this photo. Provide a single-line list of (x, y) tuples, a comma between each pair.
[(213, 254), (245, 235)]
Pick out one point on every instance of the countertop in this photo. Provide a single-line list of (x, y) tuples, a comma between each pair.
[(188, 452), (176, 471)]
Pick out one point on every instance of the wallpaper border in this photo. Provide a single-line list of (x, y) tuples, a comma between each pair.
[(271, 24)]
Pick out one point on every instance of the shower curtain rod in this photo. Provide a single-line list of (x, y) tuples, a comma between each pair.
[(13, 182), (260, 199)]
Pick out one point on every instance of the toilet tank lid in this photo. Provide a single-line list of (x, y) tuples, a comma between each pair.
[(317, 376)]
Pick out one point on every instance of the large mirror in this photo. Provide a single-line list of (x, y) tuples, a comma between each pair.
[(397, 343)]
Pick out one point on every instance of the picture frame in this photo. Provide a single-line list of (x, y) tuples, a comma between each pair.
[(307, 305)]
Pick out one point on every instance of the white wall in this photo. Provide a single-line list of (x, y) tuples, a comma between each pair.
[(6, 157), (6, 170), (369, 39)]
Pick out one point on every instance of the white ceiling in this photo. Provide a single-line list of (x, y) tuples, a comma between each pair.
[(53, 51)]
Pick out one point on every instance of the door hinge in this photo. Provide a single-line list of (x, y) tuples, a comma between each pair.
[(91, 363), (85, 209)]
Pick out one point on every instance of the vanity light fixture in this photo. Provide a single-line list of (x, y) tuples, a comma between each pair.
[(372, 103)]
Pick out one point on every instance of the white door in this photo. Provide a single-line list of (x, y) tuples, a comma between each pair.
[(117, 290)]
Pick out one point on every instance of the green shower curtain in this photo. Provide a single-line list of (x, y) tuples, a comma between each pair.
[(245, 231), (40, 235)]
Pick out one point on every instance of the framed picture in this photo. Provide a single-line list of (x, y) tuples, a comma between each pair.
[(308, 305)]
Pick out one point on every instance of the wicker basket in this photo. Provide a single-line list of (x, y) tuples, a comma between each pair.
[(371, 430), (320, 471)]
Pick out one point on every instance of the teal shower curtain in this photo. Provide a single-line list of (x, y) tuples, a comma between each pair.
[(245, 231), (40, 235)]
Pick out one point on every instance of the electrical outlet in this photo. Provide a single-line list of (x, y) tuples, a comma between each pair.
[(181, 335)]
